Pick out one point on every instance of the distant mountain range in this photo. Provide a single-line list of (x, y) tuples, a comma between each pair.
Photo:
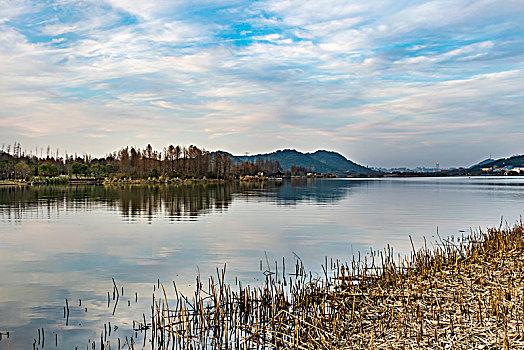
[(329, 162), (321, 161)]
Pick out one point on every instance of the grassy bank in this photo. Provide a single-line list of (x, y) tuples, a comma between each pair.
[(75, 180), (168, 181), (12, 182), (458, 294)]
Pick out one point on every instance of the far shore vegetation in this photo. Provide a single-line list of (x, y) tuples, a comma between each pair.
[(180, 164), (172, 164)]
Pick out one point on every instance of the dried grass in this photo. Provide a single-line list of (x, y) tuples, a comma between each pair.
[(465, 293)]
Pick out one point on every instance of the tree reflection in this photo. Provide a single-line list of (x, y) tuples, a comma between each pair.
[(176, 202), (180, 202)]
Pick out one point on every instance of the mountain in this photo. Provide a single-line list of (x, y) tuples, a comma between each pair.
[(325, 162), (484, 162), (230, 156), (336, 160), (516, 161)]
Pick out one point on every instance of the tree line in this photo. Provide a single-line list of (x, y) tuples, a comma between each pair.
[(130, 162)]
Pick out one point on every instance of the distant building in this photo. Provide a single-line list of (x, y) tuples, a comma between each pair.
[(512, 170), (279, 174)]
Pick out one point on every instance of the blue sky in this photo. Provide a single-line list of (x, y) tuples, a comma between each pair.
[(386, 83)]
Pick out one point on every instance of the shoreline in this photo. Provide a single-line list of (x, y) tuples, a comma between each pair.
[(13, 183), (64, 180)]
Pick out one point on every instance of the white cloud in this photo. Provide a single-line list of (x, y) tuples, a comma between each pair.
[(485, 47), (336, 70), (143, 9)]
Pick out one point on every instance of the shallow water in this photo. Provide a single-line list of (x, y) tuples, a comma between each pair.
[(68, 242)]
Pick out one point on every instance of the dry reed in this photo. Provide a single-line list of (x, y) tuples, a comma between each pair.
[(465, 293)]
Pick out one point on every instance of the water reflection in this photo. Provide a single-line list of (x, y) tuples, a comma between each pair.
[(61, 242), (316, 191), (175, 202), (184, 202)]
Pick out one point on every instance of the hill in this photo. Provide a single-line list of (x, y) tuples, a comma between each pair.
[(516, 161), (484, 162), (325, 162), (338, 161)]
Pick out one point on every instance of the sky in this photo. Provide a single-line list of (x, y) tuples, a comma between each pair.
[(386, 83)]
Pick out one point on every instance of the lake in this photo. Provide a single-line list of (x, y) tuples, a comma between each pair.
[(70, 242)]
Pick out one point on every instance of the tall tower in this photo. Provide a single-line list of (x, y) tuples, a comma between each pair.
[(437, 166)]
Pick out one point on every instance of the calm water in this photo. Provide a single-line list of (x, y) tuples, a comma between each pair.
[(59, 243)]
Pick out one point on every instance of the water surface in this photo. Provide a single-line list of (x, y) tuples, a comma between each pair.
[(69, 242)]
